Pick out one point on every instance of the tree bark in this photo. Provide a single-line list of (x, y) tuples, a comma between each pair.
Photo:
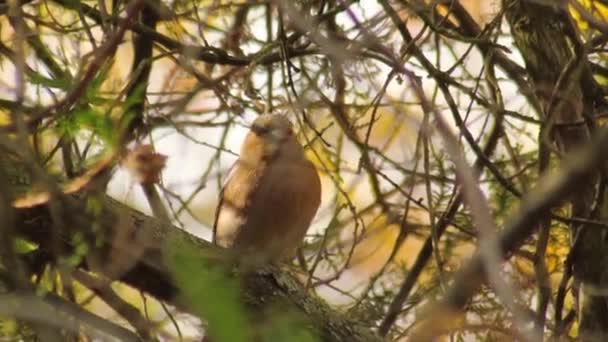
[(557, 62), (133, 249)]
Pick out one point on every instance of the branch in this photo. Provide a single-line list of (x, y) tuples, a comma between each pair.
[(57, 312), (552, 190), (142, 262)]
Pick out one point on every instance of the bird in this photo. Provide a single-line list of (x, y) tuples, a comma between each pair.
[(270, 197)]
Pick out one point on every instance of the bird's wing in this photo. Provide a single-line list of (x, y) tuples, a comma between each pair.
[(235, 196)]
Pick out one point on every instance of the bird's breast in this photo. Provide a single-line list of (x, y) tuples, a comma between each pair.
[(280, 209)]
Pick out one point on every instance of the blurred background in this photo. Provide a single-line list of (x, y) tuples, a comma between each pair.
[(381, 94)]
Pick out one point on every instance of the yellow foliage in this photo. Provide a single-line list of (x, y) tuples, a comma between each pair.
[(47, 10), (173, 29), (320, 157), (436, 324), (524, 267), (390, 123), (473, 7), (135, 298), (444, 10), (5, 118), (555, 255), (591, 10), (377, 244)]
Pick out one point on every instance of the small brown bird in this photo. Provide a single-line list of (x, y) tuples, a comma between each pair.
[(270, 196)]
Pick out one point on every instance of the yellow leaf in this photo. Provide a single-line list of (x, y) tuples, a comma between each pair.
[(585, 10)]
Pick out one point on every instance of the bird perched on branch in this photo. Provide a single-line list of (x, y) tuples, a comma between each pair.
[(270, 196)]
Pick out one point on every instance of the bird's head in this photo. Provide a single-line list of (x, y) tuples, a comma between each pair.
[(272, 127), (269, 135)]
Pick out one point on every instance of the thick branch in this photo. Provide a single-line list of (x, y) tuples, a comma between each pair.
[(146, 271)]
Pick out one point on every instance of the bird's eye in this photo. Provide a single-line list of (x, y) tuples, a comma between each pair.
[(260, 130)]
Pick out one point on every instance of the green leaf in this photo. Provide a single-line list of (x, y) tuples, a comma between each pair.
[(210, 293), (136, 97), (95, 85), (86, 117), (37, 78), (287, 326), (23, 246)]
